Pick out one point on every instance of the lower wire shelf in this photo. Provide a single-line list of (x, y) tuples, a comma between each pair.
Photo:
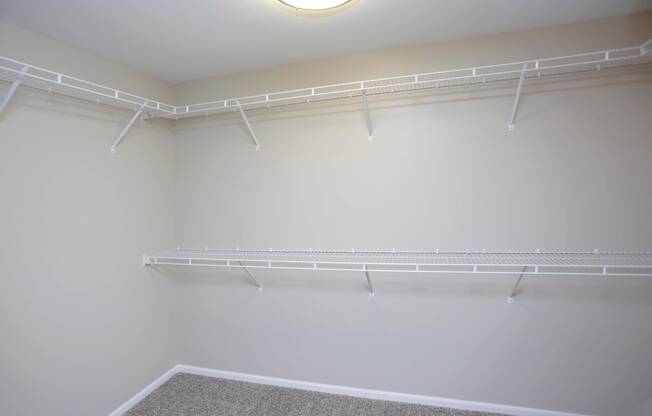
[(520, 264)]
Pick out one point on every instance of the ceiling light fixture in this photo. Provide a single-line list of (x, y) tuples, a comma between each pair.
[(314, 4)]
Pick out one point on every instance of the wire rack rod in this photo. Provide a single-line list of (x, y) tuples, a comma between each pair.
[(44, 79)]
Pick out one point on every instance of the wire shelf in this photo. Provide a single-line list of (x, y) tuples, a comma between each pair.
[(44, 79), (473, 76), (443, 262), (54, 82)]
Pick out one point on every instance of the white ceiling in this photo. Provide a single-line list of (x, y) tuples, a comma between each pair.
[(182, 40)]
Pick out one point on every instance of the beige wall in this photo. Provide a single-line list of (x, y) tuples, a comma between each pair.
[(575, 175), (83, 326), (614, 32), (78, 312), (23, 45), (443, 172)]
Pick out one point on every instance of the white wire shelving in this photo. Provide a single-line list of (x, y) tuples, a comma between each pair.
[(21, 73), (54, 82), (454, 263), (471, 76)]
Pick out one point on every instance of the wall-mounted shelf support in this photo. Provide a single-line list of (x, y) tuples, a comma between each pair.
[(646, 47), (519, 88), (12, 88), (370, 128), (371, 286), (251, 130), (139, 111), (510, 298), (251, 276)]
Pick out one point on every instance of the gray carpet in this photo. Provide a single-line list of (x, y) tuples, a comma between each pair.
[(191, 395)]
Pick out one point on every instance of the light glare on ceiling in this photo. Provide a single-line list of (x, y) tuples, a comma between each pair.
[(314, 4)]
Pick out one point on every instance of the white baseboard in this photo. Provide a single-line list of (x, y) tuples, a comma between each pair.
[(346, 391), (124, 408)]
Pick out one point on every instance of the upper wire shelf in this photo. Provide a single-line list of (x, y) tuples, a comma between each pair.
[(52, 81), (472, 76)]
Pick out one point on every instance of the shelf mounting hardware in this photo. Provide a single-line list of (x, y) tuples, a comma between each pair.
[(12, 88), (139, 111), (251, 130), (370, 128), (510, 298), (372, 293), (251, 276), (510, 126), (646, 47)]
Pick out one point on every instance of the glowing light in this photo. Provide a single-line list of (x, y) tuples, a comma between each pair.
[(314, 4)]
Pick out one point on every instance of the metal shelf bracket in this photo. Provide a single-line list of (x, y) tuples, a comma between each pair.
[(12, 88), (646, 47), (510, 298), (510, 125), (251, 276), (370, 128), (372, 293), (251, 130), (139, 111)]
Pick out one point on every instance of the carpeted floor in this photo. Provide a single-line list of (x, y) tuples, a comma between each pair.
[(191, 395)]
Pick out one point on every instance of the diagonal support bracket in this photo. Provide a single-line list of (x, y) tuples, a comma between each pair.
[(251, 130), (369, 284), (251, 276), (114, 146), (510, 298), (370, 127), (12, 88), (510, 125), (646, 47)]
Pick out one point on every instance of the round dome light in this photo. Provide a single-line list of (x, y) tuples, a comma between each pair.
[(314, 4)]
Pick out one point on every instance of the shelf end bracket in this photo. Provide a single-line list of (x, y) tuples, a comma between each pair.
[(12, 88), (251, 130), (510, 125), (370, 127), (251, 276), (139, 111), (510, 298)]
